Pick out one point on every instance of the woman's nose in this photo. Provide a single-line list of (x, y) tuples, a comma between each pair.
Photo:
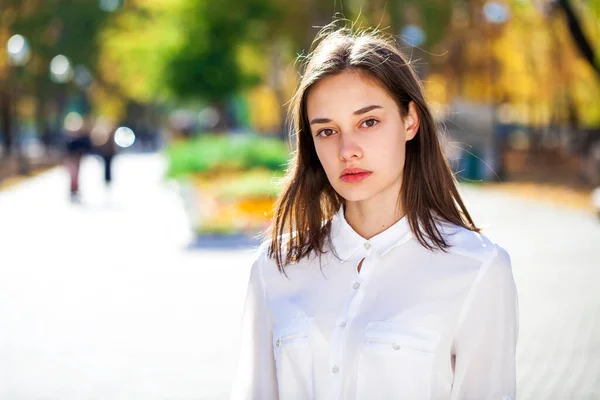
[(349, 147)]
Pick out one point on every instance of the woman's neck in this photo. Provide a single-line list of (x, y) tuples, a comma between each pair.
[(369, 219)]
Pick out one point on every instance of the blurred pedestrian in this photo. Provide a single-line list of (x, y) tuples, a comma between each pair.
[(375, 283), (77, 144), (103, 139)]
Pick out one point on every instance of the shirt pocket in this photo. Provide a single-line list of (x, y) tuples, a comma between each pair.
[(292, 332), (293, 358), (396, 361)]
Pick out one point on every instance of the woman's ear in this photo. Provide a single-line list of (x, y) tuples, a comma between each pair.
[(411, 122)]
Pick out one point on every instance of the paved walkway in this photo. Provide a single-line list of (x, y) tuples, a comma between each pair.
[(556, 261), (103, 301), (107, 300)]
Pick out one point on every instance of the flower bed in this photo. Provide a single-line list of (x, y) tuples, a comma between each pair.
[(231, 180)]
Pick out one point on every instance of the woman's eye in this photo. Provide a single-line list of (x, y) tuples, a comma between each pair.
[(325, 132), (369, 123)]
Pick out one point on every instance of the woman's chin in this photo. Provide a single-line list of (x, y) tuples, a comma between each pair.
[(355, 195)]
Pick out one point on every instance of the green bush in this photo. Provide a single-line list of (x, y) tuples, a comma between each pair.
[(210, 152)]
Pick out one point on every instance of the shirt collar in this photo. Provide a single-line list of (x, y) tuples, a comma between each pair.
[(347, 242)]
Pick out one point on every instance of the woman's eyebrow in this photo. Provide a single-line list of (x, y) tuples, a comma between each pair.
[(320, 121), (366, 109), (361, 111)]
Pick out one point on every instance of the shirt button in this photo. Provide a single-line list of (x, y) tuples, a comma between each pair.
[(367, 245), (343, 324), (278, 343), (335, 369), (395, 346), (356, 285)]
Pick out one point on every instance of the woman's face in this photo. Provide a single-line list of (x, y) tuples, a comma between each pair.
[(356, 124)]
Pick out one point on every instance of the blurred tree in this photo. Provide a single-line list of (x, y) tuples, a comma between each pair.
[(209, 50), (8, 14), (135, 49), (578, 34), (528, 60), (68, 28), (207, 64)]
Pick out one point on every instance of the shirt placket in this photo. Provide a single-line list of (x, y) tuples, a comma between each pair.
[(352, 306)]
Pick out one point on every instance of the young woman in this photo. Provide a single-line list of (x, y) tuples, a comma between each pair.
[(376, 283)]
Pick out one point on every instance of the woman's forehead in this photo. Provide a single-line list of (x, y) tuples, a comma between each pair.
[(347, 90)]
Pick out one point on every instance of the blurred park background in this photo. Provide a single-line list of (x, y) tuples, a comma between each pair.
[(516, 84), (140, 146)]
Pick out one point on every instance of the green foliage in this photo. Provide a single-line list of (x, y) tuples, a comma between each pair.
[(69, 28), (137, 46), (207, 64), (226, 152)]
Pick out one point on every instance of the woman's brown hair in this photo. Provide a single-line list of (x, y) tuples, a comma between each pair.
[(303, 211)]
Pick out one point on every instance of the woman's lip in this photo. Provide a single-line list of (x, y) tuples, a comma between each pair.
[(350, 178)]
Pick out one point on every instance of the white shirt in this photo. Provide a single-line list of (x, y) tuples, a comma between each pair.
[(388, 331)]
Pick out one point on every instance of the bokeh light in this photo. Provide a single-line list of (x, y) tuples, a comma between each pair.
[(109, 5), (101, 131), (73, 122), (495, 12), (18, 50), (209, 117), (413, 35), (82, 76), (124, 137), (60, 69)]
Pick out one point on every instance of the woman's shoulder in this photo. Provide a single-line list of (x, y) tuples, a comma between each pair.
[(472, 244), (263, 256)]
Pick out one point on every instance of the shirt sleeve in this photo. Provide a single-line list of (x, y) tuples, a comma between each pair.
[(485, 342), (256, 376)]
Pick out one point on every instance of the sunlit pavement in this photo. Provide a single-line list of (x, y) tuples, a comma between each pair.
[(556, 262), (107, 300)]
